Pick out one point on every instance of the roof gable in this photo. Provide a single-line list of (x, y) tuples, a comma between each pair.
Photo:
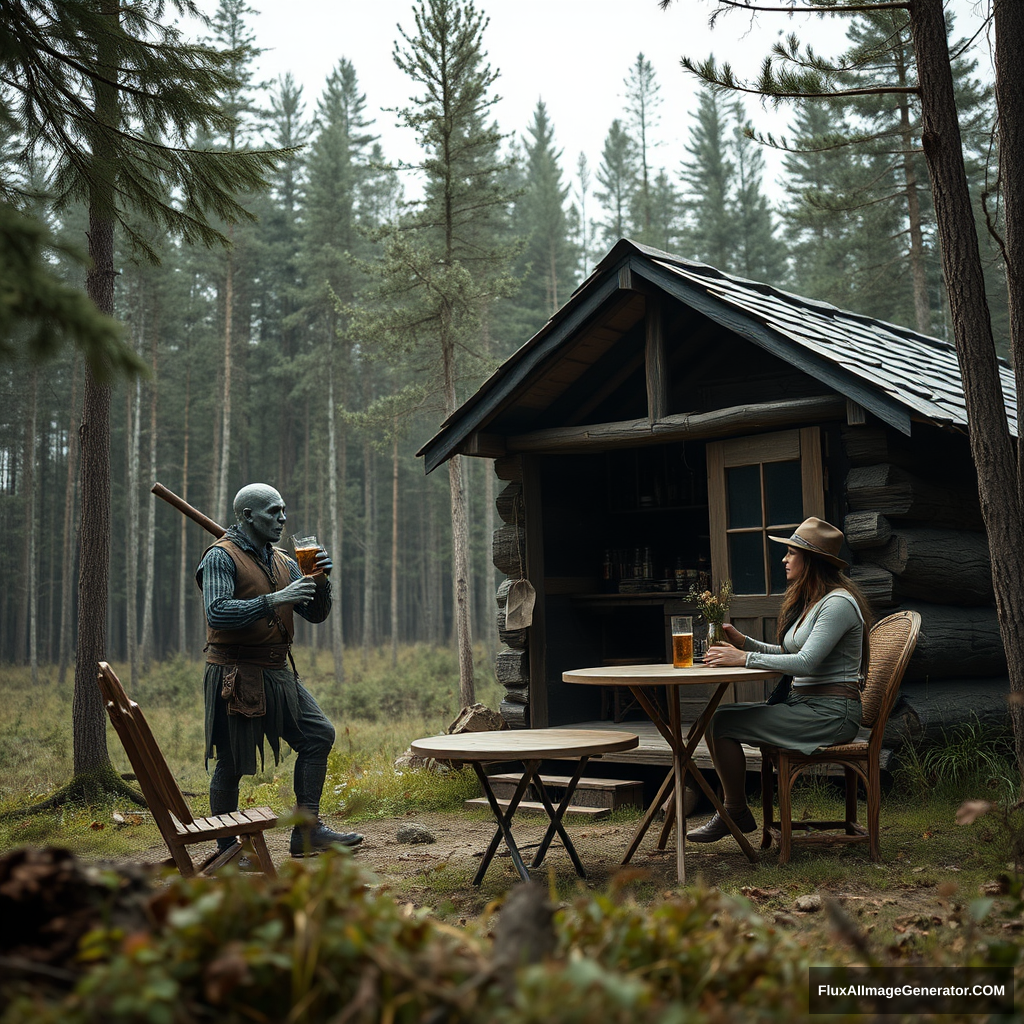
[(894, 372)]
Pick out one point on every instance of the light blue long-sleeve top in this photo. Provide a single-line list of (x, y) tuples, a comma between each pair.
[(825, 646)]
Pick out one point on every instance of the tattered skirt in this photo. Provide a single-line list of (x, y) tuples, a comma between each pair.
[(243, 735)]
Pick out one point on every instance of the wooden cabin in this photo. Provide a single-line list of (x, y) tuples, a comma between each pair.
[(668, 419)]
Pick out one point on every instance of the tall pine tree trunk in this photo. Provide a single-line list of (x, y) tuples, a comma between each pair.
[(394, 546), (184, 581), (334, 518), (68, 545), (32, 531), (133, 398), (91, 759), (918, 271), (221, 499), (1009, 24), (460, 529), (995, 454), (23, 485), (150, 534), (369, 548)]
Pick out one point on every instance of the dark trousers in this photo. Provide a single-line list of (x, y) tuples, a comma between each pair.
[(311, 736)]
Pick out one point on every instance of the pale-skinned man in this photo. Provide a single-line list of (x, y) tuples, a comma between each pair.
[(251, 590)]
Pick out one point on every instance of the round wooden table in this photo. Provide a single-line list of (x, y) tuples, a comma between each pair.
[(530, 747), (636, 677)]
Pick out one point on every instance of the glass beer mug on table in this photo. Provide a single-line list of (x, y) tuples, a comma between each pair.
[(682, 641), (306, 550)]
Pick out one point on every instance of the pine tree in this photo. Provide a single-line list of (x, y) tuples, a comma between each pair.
[(844, 245), (337, 170), (111, 68), (710, 233), (642, 102), (665, 214), (757, 253), (237, 103), (617, 178), (445, 265), (548, 259)]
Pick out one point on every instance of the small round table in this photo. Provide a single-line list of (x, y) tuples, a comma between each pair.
[(530, 747), (636, 677)]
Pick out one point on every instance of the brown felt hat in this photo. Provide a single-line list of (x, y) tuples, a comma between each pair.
[(818, 538)]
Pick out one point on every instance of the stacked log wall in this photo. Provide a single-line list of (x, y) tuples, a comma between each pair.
[(512, 663), (914, 527)]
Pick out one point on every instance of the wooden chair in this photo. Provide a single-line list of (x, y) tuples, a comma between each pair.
[(166, 802), (892, 642)]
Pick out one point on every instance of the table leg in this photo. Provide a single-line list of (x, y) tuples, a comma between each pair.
[(692, 739), (679, 770), (654, 714), (649, 815), (504, 819), (682, 758), (556, 820)]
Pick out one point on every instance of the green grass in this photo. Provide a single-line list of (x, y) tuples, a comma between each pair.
[(380, 709), (377, 711)]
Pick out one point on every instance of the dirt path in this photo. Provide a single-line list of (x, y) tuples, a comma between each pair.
[(898, 911)]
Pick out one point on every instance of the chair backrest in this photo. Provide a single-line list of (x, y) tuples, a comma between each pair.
[(892, 640), (158, 785)]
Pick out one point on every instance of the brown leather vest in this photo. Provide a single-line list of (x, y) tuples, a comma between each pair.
[(252, 580)]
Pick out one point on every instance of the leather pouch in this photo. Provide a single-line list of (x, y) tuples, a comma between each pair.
[(242, 689)]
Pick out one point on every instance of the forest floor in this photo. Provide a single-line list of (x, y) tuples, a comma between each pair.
[(899, 906)]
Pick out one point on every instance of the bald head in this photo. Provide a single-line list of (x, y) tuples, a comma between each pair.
[(260, 513)]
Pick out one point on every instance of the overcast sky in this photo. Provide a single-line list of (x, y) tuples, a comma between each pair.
[(573, 54)]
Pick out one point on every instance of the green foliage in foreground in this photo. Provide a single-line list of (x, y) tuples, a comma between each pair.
[(323, 943)]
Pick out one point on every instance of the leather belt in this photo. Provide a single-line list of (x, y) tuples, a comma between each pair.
[(847, 690), (261, 655)]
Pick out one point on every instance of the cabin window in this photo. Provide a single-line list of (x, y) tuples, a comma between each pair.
[(762, 498), (760, 487)]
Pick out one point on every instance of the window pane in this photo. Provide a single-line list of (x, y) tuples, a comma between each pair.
[(784, 492), (746, 563), (743, 487), (777, 571)]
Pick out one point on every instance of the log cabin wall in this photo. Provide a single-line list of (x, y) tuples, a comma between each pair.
[(914, 526), (512, 664)]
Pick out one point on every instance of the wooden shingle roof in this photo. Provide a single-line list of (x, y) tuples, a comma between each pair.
[(893, 372), (918, 371)]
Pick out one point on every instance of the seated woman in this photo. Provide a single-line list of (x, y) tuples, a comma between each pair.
[(823, 645)]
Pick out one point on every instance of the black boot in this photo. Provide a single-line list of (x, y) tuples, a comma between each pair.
[(309, 840)]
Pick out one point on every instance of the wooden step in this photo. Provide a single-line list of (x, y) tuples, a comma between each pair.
[(590, 792), (535, 807)]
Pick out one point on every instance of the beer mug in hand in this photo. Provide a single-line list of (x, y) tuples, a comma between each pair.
[(306, 550)]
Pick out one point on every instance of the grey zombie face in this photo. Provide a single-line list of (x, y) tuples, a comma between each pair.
[(260, 512)]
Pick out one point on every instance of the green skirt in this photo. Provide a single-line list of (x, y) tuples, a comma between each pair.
[(801, 723)]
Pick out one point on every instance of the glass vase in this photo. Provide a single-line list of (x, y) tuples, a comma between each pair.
[(716, 634)]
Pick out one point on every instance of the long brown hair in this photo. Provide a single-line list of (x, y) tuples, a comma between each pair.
[(819, 578)]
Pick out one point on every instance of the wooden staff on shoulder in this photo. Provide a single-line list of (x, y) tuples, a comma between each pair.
[(186, 509)]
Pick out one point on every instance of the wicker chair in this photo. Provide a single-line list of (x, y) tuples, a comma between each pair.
[(892, 642), (166, 802)]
